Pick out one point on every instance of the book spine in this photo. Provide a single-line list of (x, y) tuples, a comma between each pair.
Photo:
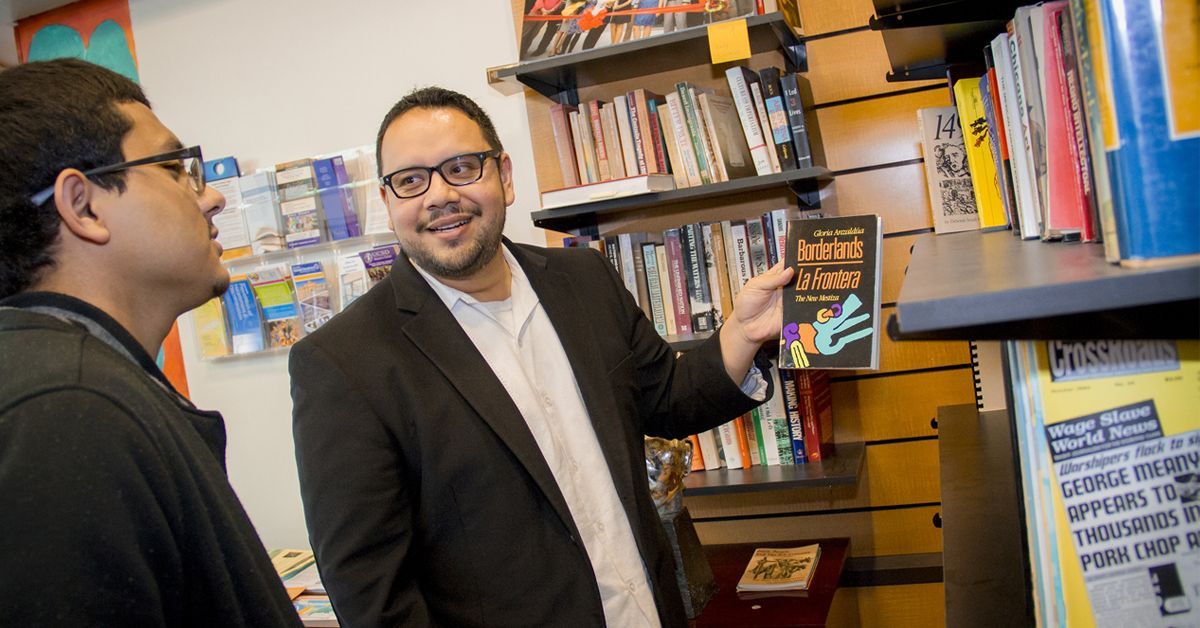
[(687, 99), (641, 97), (795, 422), (625, 131), (612, 141), (708, 136), (654, 288), (1086, 27), (743, 444), (1064, 217), (612, 249), (741, 252), (729, 445), (708, 447), (577, 142), (1019, 163), (697, 278), (639, 273), (560, 125), (768, 227), (679, 292), (979, 159), (723, 291), (781, 130), (697, 455), (736, 77), (760, 108), (682, 139), (664, 284), (639, 137), (675, 160), (1034, 112), (758, 246), (789, 84), (779, 223), (628, 272), (656, 135), (1078, 127), (753, 442), (589, 144), (597, 131)]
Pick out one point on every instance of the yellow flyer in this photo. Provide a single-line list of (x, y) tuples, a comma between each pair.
[(1119, 425)]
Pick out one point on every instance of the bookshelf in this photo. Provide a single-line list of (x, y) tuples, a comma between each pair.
[(558, 78), (994, 286), (925, 39), (842, 468), (802, 181)]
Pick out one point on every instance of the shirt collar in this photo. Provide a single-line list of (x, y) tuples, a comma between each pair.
[(523, 298), (94, 320)]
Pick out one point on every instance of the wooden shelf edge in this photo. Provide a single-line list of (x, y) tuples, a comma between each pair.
[(843, 468), (881, 571)]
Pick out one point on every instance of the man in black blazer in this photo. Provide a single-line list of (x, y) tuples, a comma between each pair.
[(469, 432)]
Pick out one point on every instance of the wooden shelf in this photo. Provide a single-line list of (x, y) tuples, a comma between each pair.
[(993, 286), (585, 214), (561, 75), (842, 468)]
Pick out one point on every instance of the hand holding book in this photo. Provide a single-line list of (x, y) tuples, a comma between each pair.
[(756, 318)]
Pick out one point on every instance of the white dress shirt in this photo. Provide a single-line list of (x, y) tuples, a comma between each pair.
[(516, 338)]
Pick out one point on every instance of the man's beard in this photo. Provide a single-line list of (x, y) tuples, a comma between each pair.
[(461, 264)]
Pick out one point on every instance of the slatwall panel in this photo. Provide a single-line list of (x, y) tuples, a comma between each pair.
[(867, 128)]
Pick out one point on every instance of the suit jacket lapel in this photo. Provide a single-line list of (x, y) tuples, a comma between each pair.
[(436, 333), (557, 294)]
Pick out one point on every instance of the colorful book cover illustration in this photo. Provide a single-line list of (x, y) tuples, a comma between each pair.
[(831, 308)]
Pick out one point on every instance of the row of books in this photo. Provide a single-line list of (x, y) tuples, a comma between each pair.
[(1075, 133), (793, 426), (296, 203), (643, 141), (275, 305), (685, 278)]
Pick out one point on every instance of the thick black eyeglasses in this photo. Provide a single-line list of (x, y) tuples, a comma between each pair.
[(190, 158), (458, 171)]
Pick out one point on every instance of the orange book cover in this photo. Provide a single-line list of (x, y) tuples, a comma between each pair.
[(743, 445)]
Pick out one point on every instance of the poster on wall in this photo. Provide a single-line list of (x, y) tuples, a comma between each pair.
[(550, 28), (98, 31)]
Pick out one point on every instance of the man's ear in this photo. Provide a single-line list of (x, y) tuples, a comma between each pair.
[(506, 179), (74, 197)]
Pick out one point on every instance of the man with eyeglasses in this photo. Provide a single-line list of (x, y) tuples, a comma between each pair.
[(116, 506), (469, 433)]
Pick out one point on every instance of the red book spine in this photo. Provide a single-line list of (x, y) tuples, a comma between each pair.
[(679, 294)]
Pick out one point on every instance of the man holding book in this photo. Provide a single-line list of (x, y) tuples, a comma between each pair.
[(117, 510), (469, 432)]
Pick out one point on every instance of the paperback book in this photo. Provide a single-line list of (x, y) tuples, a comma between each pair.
[(312, 292), (273, 287), (951, 198), (780, 569), (831, 308)]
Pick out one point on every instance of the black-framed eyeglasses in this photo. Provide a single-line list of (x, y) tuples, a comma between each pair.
[(190, 158), (458, 171)]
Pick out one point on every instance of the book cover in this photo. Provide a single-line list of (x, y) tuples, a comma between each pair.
[(1153, 141), (984, 182), (245, 321), (772, 569), (276, 296), (951, 198), (312, 292), (831, 308), (1114, 422), (729, 141)]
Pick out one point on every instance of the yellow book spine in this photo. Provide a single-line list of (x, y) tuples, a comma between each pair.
[(979, 154)]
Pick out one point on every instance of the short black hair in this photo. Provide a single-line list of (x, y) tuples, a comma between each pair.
[(54, 115), (434, 97)]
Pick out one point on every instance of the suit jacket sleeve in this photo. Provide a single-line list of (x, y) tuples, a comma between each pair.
[(677, 396), (362, 538)]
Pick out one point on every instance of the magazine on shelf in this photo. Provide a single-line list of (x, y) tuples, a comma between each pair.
[(780, 569), (831, 307)]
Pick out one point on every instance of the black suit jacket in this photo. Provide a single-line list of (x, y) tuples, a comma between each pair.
[(427, 498)]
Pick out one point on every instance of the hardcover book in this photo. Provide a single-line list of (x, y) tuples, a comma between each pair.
[(951, 198), (831, 307)]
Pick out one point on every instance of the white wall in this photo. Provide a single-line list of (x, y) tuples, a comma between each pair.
[(276, 80)]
